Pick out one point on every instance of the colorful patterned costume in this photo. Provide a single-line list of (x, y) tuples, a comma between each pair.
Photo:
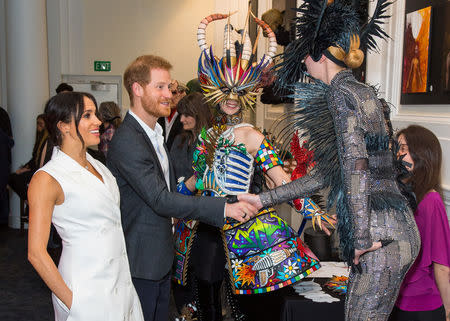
[(263, 254)]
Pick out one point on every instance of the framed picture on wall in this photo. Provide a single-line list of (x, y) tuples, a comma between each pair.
[(416, 51), (426, 53)]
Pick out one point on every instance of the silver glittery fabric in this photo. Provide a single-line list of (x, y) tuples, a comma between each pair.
[(376, 208)]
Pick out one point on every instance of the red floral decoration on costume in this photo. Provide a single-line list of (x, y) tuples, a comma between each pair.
[(303, 157)]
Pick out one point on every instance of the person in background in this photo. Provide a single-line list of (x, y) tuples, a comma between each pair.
[(171, 124), (425, 291), (63, 87), (81, 198), (193, 85), (195, 114), (274, 18), (6, 143), (19, 180), (109, 113)]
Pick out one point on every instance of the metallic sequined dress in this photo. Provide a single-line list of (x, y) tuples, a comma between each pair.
[(357, 165), (262, 254)]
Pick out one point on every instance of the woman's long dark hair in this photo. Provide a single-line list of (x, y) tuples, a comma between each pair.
[(110, 112), (194, 105), (65, 107), (426, 152), (41, 138)]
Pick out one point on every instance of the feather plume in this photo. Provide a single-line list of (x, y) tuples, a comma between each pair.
[(312, 116), (373, 28)]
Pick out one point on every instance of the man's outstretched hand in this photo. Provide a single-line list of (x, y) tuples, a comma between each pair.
[(240, 211)]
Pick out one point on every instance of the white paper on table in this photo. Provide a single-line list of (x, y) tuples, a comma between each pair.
[(328, 269), (313, 291), (321, 297)]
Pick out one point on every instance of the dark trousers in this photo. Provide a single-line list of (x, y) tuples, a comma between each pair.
[(154, 297), (432, 315)]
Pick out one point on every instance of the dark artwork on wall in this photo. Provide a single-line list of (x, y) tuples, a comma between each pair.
[(426, 53), (444, 20)]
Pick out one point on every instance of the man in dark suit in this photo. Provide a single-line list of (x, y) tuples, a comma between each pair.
[(171, 124), (138, 158)]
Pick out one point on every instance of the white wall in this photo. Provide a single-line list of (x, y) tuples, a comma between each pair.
[(2, 56), (385, 69), (83, 31)]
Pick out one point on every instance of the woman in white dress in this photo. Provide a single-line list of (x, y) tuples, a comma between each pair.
[(80, 197)]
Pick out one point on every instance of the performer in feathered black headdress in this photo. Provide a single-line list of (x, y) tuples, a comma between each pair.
[(344, 122)]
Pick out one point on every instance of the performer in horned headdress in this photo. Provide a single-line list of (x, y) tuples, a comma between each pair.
[(344, 121), (264, 254)]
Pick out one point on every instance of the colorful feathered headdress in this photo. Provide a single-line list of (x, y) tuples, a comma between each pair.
[(333, 28), (237, 75)]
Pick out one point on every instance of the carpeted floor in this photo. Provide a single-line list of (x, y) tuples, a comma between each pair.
[(23, 295)]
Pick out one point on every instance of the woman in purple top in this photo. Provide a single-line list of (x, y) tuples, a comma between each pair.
[(425, 291)]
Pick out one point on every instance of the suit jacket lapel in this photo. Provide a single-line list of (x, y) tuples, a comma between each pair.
[(176, 129), (134, 124), (172, 179)]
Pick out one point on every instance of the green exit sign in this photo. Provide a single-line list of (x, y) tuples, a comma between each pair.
[(102, 65)]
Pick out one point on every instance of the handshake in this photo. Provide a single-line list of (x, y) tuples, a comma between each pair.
[(242, 207)]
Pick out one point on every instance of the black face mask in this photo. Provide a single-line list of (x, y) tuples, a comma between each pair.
[(403, 174), (407, 164)]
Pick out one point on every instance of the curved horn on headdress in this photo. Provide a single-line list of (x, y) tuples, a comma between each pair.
[(201, 30), (247, 48), (246, 54), (271, 52), (229, 51), (246, 42)]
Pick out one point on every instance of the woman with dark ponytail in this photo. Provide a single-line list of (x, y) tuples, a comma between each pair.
[(79, 195)]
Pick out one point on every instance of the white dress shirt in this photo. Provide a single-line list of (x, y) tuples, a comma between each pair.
[(157, 140)]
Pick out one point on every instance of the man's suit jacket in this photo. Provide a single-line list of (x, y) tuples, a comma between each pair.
[(146, 203), (176, 129)]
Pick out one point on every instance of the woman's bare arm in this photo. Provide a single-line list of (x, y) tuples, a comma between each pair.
[(442, 277), (44, 193)]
